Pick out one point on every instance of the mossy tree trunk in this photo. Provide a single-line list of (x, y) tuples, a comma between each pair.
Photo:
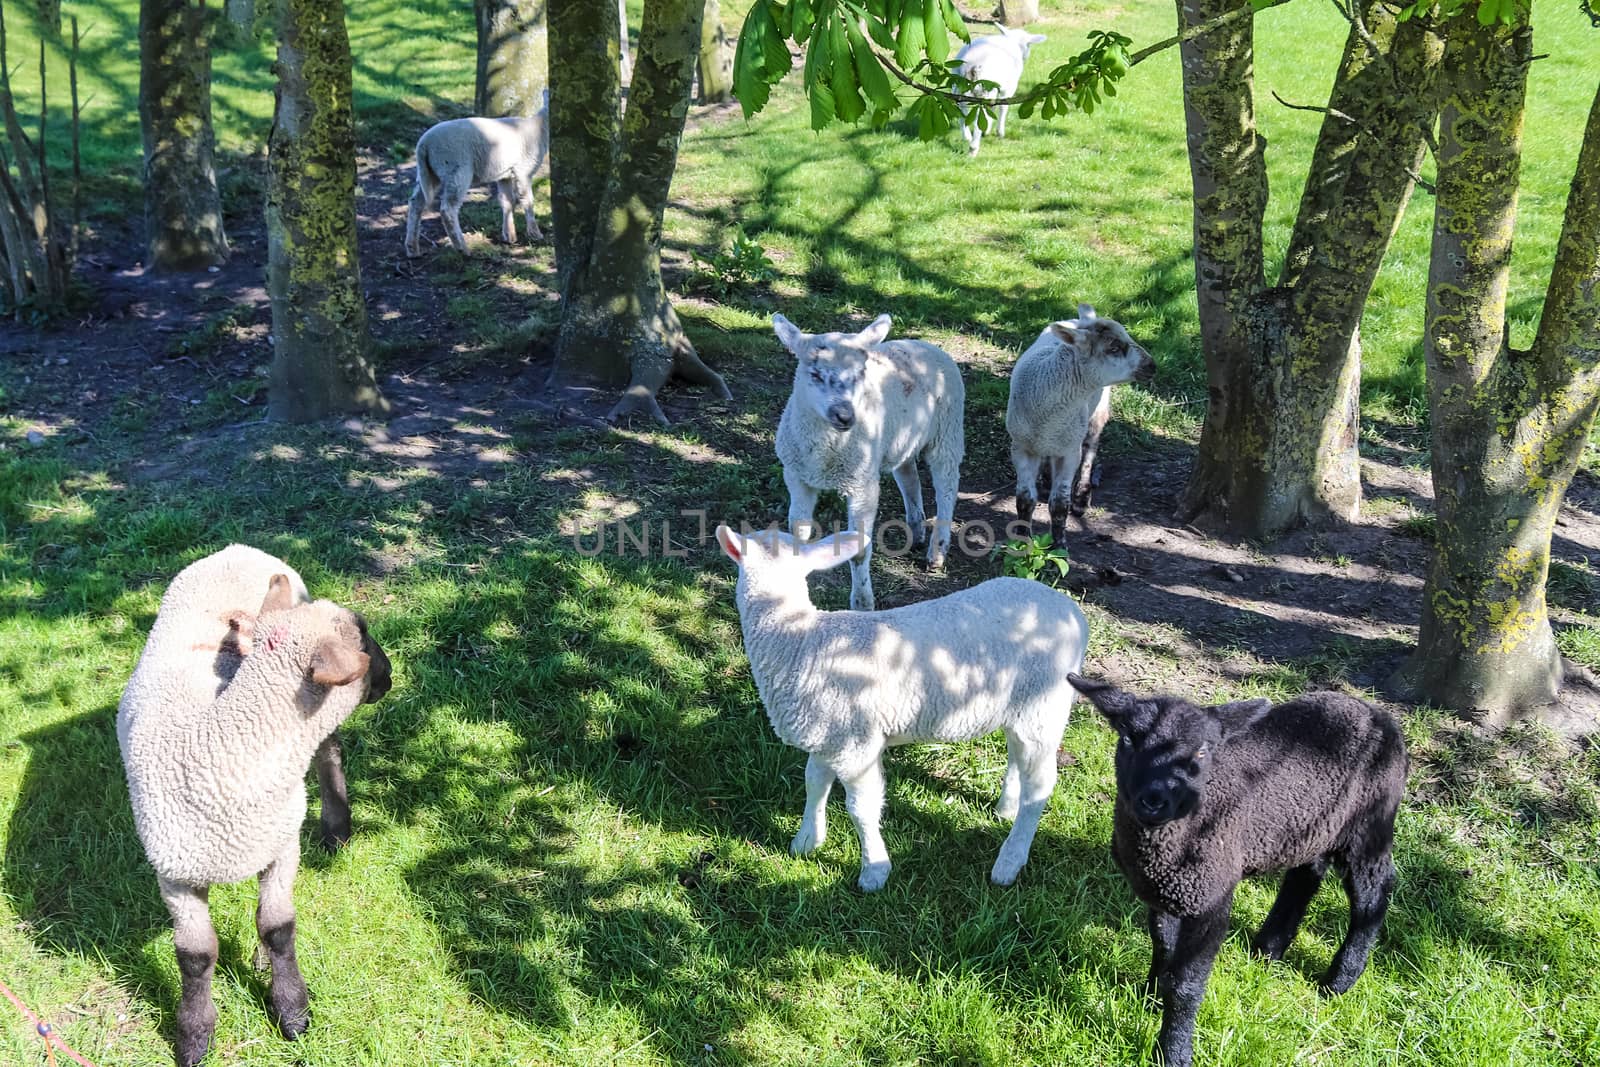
[(50, 14), (1278, 447), (241, 13), (183, 209), (1509, 426), (608, 193), (1018, 12), (319, 322), (513, 57), (716, 57)]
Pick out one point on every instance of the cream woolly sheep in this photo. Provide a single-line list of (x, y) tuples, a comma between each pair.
[(861, 406), (845, 685), (455, 155), (241, 685), (1058, 387), (998, 58)]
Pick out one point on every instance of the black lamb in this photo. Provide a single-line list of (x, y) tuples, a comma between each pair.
[(1207, 796)]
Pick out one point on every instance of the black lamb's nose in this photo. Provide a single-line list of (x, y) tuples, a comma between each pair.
[(842, 415), (1151, 802)]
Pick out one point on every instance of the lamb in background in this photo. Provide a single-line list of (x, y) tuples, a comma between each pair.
[(241, 685), (861, 406), (845, 685), (1207, 796), (998, 58), (1060, 401), (455, 155)]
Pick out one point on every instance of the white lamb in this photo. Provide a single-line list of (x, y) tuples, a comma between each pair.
[(845, 685), (241, 685), (861, 406), (998, 58), (455, 155), (1060, 400)]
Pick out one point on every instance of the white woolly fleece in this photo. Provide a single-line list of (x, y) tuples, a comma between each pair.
[(846, 684), (1051, 398), (462, 153), (216, 748)]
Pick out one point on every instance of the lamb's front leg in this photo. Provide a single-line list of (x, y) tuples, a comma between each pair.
[(814, 823), (1183, 979), (802, 506), (863, 519), (196, 941), (288, 1001), (334, 823), (863, 797)]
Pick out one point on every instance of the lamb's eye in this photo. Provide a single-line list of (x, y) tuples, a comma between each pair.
[(1125, 743), (1118, 348)]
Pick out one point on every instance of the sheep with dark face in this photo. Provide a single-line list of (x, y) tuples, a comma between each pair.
[(1208, 796), (1060, 401)]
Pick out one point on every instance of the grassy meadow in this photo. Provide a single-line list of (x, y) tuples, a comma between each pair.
[(571, 816)]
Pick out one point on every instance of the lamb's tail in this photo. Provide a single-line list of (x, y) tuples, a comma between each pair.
[(428, 180)]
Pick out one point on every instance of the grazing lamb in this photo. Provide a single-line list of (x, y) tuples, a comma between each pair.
[(1207, 796), (455, 155), (1060, 401), (240, 687), (845, 685), (998, 58), (861, 406)]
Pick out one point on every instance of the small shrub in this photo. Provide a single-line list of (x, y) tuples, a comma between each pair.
[(1421, 527), (743, 265), (1033, 558)]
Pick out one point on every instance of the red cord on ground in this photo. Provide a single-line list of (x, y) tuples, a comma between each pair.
[(46, 1032)]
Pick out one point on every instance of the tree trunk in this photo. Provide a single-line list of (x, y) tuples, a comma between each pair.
[(1018, 12), (1279, 442), (716, 57), (319, 322), (241, 13), (50, 14), (513, 56), (1509, 426), (625, 61), (183, 210), (618, 328)]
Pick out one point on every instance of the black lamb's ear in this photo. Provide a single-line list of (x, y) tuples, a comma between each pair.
[(1113, 703), (1240, 715)]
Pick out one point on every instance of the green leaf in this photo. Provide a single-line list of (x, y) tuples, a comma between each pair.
[(953, 19), (846, 92), (938, 39), (873, 80), (910, 41), (760, 60)]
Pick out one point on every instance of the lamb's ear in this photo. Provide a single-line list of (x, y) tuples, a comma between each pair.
[(875, 333), (1085, 312), (732, 544), (1240, 715), (833, 550), (1110, 701), (1067, 330), (336, 663), (788, 333), (280, 595)]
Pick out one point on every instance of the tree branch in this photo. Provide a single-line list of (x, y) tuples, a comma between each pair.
[(1335, 112)]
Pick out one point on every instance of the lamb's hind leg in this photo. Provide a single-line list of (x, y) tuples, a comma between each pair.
[(863, 797), (1036, 759), (1299, 886), (335, 820), (419, 203), (1369, 884), (945, 468), (196, 942), (1027, 465), (814, 823), (1062, 471), (524, 190), (909, 479), (505, 195), (450, 201), (288, 1002)]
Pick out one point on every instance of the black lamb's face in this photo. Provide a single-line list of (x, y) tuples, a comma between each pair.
[(1166, 747)]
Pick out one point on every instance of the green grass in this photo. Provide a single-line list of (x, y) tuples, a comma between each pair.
[(571, 815)]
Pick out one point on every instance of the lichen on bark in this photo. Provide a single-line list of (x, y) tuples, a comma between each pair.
[(618, 327), (513, 57), (1509, 426), (320, 365), (183, 208)]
